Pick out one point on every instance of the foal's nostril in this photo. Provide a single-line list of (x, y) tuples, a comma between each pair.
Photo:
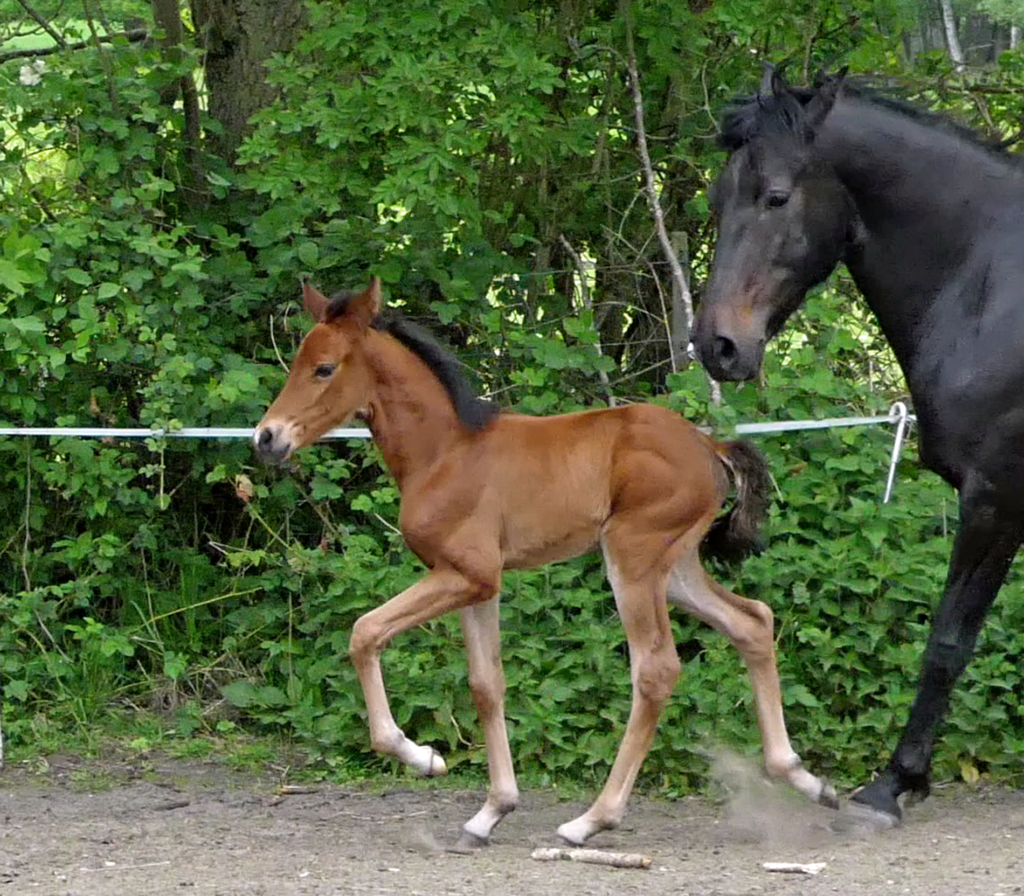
[(268, 443)]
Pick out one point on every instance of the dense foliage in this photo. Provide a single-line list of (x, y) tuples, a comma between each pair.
[(482, 159)]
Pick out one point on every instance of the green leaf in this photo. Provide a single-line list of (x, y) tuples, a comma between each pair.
[(77, 275), (239, 693)]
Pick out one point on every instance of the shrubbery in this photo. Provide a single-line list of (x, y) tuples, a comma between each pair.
[(150, 575)]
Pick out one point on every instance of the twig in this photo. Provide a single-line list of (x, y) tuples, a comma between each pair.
[(290, 789), (46, 26), (593, 857), (587, 303), (393, 528), (652, 196), (667, 323), (795, 867), (28, 513), (273, 342), (113, 866), (381, 819)]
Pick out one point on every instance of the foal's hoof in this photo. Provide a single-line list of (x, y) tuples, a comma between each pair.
[(435, 767), (468, 843), (580, 830), (862, 819)]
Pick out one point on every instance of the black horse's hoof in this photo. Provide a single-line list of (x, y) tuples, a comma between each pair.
[(467, 844), (828, 796), (861, 819)]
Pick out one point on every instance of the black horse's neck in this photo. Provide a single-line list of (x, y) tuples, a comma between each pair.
[(926, 194)]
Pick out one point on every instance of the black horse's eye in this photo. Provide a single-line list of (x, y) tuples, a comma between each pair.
[(776, 199), (323, 371)]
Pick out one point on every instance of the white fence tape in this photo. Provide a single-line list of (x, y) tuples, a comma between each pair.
[(898, 416), (195, 432)]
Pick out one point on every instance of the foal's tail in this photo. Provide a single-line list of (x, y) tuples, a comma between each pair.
[(738, 532)]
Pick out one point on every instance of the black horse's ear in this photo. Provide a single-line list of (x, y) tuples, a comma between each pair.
[(773, 82), (826, 90)]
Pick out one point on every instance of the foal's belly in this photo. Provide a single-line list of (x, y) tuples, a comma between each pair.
[(551, 523), (524, 547)]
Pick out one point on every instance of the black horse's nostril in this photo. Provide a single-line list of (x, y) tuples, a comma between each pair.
[(725, 349)]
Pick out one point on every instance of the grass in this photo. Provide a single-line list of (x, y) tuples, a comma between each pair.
[(37, 41), (130, 745)]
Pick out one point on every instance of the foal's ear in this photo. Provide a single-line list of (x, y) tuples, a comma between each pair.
[(315, 302), (826, 90), (365, 306)]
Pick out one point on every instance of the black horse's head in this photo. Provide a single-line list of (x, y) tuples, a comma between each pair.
[(784, 222)]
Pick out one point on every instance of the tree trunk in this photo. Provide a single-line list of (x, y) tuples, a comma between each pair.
[(167, 18), (956, 53), (1014, 36), (239, 36)]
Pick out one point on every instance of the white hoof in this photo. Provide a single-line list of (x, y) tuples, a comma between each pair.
[(577, 831), (426, 760), (435, 765)]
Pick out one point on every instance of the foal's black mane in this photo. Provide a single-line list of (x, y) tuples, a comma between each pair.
[(473, 412), (747, 118)]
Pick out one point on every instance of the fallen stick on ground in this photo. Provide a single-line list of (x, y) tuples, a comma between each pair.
[(794, 867), (593, 856), (289, 789)]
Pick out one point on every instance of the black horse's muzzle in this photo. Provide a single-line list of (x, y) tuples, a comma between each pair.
[(728, 359)]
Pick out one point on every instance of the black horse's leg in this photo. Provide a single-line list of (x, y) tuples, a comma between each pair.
[(982, 553)]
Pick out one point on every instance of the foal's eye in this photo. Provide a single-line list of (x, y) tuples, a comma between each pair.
[(323, 371), (776, 199)]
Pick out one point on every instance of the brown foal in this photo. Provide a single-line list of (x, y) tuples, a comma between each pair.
[(483, 492)]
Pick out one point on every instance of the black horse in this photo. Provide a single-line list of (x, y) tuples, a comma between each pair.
[(930, 222)]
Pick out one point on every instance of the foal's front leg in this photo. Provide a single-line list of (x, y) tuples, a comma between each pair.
[(439, 592)]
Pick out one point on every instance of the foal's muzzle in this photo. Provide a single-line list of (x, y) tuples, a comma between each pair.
[(272, 443)]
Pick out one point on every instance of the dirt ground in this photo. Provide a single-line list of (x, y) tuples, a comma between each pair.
[(196, 828)]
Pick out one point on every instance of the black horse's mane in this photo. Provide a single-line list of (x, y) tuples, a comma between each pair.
[(473, 412), (747, 118)]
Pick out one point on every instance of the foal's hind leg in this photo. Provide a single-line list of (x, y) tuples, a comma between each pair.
[(487, 682), (749, 625), (654, 669)]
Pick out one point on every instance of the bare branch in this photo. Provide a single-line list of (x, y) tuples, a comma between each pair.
[(678, 278)]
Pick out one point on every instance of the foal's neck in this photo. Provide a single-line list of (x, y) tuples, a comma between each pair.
[(411, 415)]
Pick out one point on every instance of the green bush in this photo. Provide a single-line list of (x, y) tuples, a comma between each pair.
[(179, 578)]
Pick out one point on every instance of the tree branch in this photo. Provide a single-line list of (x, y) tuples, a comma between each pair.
[(130, 36)]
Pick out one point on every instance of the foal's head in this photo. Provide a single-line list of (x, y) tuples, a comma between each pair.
[(784, 221), (329, 380)]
